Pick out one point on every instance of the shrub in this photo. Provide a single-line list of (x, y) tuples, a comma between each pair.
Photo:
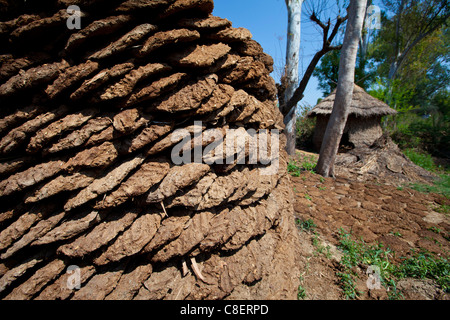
[(431, 134), (422, 159), (305, 130)]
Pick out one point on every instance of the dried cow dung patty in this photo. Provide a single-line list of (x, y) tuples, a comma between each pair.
[(94, 206)]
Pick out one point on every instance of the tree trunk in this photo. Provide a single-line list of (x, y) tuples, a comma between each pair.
[(292, 61), (344, 91)]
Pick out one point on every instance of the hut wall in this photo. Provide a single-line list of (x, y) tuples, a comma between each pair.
[(363, 131), (319, 131)]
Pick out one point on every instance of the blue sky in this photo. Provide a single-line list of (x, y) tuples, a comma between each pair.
[(267, 21)]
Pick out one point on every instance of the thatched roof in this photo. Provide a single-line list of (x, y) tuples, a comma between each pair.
[(363, 105)]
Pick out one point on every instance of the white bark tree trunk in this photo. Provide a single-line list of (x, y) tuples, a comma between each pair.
[(294, 8), (344, 91)]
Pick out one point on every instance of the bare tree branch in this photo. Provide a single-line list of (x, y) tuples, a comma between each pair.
[(287, 106)]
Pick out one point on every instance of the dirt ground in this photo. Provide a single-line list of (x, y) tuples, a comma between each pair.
[(400, 218)]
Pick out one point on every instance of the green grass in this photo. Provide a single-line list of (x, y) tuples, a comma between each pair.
[(396, 234), (421, 159), (445, 209), (294, 169), (419, 265), (424, 160), (308, 163), (307, 225), (357, 253), (440, 186), (305, 163)]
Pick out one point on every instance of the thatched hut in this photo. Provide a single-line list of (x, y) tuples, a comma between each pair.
[(364, 121)]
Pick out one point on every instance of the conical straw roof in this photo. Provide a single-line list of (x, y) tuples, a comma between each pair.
[(363, 105)]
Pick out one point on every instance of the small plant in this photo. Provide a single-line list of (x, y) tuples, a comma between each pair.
[(319, 247), (440, 186), (305, 129), (322, 188), (307, 163), (419, 265), (293, 169), (435, 229), (396, 234), (348, 284), (307, 197), (307, 225), (426, 265), (301, 292), (357, 253)]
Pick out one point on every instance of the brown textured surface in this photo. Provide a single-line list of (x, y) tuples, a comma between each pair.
[(403, 220), (87, 126)]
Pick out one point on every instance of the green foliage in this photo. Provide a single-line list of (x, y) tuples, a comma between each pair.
[(307, 225), (348, 284), (440, 186), (406, 24), (394, 92), (430, 134), (421, 159), (426, 265), (357, 253), (309, 164), (301, 293), (419, 265), (305, 129), (328, 71), (435, 229), (296, 167), (445, 209), (419, 90), (320, 248), (396, 234)]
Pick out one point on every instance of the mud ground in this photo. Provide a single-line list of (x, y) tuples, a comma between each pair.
[(398, 217)]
